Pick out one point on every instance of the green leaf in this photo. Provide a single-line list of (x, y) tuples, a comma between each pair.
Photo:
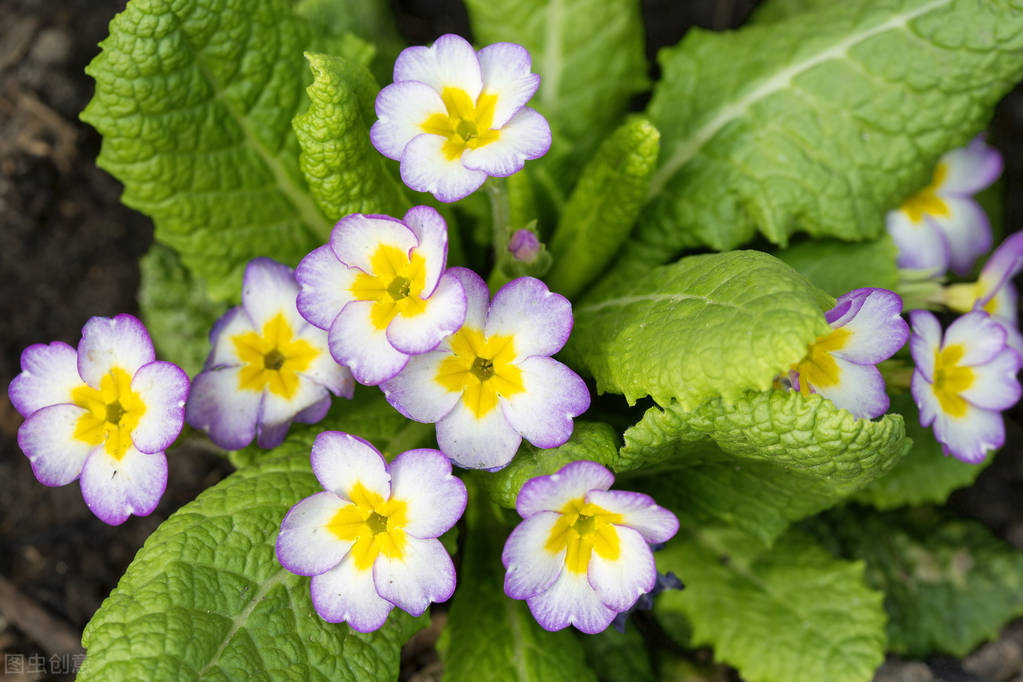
[(925, 475), (196, 122), (839, 267), (589, 54), (491, 638), (792, 613), (603, 206), (206, 598), (776, 10), (590, 440), (344, 172), (949, 584), (762, 463), (370, 20), (176, 309), (820, 122), (704, 327), (619, 656)]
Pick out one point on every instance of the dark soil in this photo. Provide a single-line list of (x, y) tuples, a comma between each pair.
[(69, 250)]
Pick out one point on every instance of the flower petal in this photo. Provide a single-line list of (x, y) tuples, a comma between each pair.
[(277, 412), (877, 329), (860, 390), (971, 436), (435, 498), (526, 136), (570, 601), (425, 168), (325, 286), (226, 413), (553, 492), (967, 230), (424, 574), (432, 233), (356, 343), (402, 108), (530, 568), (981, 337), (163, 388), (305, 546), (921, 246), (441, 317), (416, 393), (114, 489), (47, 439), (620, 582), (269, 289), (49, 372), (554, 395), (488, 442), (345, 594), (449, 62), (1013, 338), (224, 353), (477, 296), (357, 237), (925, 341), (1004, 264), (322, 369), (639, 512), (506, 69), (971, 168), (539, 319), (341, 460), (923, 395), (995, 386), (109, 342)]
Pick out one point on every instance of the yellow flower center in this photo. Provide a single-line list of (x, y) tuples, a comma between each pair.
[(112, 412), (273, 359), (962, 297), (819, 368), (481, 368), (396, 285), (950, 380), (927, 201), (466, 124), (583, 528), (374, 524)]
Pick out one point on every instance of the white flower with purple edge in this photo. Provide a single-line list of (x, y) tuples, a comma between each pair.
[(963, 381), (492, 382), (104, 413), (369, 540), (454, 116), (267, 366), (866, 329), (941, 226), (380, 289), (582, 553)]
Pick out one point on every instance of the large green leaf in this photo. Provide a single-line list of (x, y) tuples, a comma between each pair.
[(761, 463), (704, 327), (838, 267), (194, 100), (793, 613), (619, 656), (819, 122), (371, 20), (206, 599), (948, 583)]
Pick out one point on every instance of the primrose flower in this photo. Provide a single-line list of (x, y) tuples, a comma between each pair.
[(962, 382), (104, 413), (369, 540), (267, 366), (493, 382), (866, 328), (994, 292), (453, 116), (941, 225), (380, 290), (582, 553)]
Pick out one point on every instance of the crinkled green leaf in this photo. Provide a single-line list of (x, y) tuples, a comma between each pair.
[(925, 475), (619, 656), (371, 20), (344, 172), (706, 326), (820, 122), (949, 584), (768, 460), (792, 613), (492, 638), (590, 440), (206, 598), (176, 309), (194, 100), (603, 206), (839, 267)]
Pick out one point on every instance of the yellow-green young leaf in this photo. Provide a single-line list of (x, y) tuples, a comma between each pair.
[(819, 122), (205, 597), (344, 172), (792, 613), (925, 475), (603, 206), (194, 100), (839, 267), (949, 584), (704, 327), (768, 460)]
